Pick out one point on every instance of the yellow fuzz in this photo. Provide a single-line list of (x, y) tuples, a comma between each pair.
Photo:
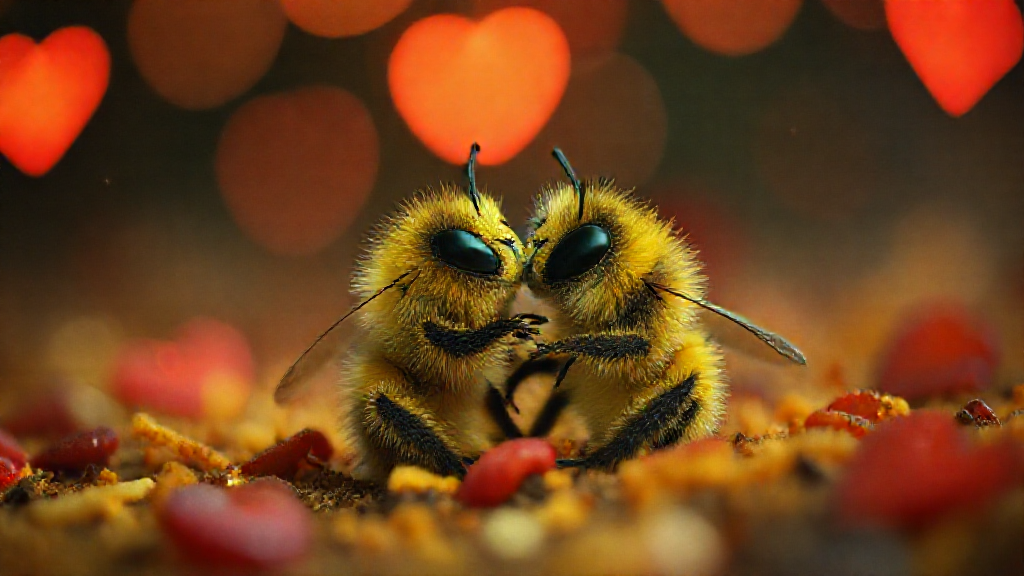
[(614, 298), (443, 391)]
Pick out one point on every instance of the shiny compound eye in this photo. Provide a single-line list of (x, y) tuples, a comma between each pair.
[(462, 250), (577, 252)]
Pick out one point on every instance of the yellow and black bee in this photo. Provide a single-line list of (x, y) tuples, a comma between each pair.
[(436, 282), (645, 374)]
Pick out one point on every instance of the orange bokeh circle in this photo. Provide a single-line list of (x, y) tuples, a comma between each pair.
[(612, 122), (496, 81), (198, 54), (336, 18), (733, 27), (295, 168), (592, 28), (860, 14)]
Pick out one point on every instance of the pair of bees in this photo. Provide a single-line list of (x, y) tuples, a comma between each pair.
[(436, 285)]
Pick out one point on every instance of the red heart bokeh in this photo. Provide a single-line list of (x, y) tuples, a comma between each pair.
[(294, 168), (48, 92), (959, 48), (207, 371), (495, 82), (733, 27)]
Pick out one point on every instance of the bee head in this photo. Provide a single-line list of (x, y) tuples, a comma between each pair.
[(466, 260), (592, 245)]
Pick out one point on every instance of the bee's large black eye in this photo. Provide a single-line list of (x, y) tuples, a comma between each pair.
[(462, 250), (577, 252)]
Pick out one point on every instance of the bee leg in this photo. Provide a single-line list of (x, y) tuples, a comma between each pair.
[(564, 371), (496, 408), (549, 414), (607, 347), (524, 371), (461, 343), (648, 424), (406, 433)]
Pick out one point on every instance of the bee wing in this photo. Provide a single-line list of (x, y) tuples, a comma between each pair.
[(301, 372), (317, 353), (782, 346), (737, 338)]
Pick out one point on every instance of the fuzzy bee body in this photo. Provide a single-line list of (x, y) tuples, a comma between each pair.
[(432, 345), (640, 368), (435, 283)]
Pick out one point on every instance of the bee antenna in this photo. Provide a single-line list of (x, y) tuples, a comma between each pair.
[(557, 153), (288, 381), (474, 194), (776, 342)]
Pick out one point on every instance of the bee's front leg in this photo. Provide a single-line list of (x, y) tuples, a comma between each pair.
[(596, 347), (462, 342)]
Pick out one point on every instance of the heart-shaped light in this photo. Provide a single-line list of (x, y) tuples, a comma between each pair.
[(733, 27), (959, 48), (48, 92), (198, 54), (335, 19), (294, 168), (206, 372), (495, 82)]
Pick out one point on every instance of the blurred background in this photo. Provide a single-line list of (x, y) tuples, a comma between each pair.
[(242, 150)]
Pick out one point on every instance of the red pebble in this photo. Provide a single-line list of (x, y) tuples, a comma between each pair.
[(941, 349), (864, 403), (497, 475), (284, 458), (256, 526), (47, 416), (913, 470), (78, 451), (9, 473), (11, 450), (856, 425), (978, 413)]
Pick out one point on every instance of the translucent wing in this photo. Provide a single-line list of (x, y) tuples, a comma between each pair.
[(314, 356), (777, 343)]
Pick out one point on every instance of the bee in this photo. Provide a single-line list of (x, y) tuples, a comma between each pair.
[(436, 283), (644, 373)]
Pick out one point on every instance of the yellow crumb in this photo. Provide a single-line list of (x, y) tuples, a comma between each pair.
[(418, 480), (679, 470), (106, 477), (557, 480), (187, 449), (89, 504), (893, 406), (564, 512), (172, 476)]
